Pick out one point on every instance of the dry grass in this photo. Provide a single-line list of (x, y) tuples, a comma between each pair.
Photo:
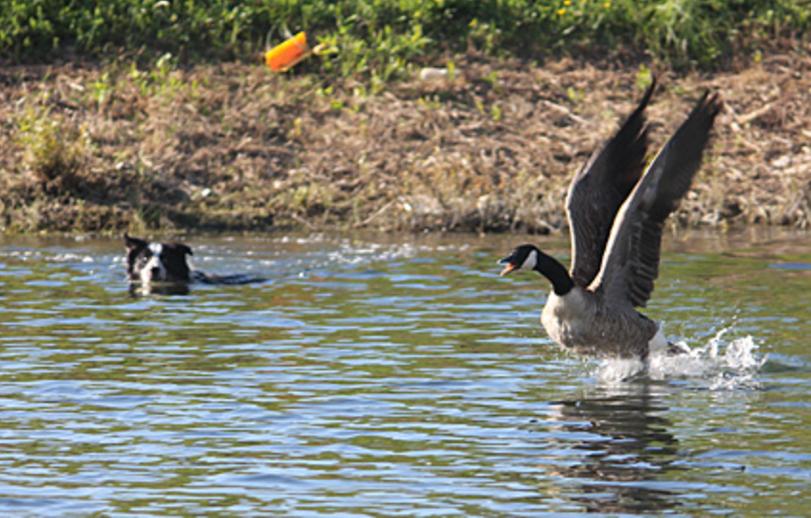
[(231, 147)]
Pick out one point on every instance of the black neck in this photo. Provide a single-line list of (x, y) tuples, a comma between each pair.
[(551, 268)]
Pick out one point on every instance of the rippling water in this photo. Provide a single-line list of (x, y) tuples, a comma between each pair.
[(395, 375)]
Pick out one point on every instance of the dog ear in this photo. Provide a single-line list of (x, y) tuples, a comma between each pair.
[(178, 248), (134, 242)]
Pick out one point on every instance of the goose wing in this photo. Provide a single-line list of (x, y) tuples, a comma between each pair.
[(600, 187), (631, 262)]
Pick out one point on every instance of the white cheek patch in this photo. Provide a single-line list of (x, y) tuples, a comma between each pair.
[(530, 261), (153, 263)]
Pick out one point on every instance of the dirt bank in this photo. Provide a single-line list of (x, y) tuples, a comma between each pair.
[(490, 148)]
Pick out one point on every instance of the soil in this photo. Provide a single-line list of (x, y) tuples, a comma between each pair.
[(490, 147)]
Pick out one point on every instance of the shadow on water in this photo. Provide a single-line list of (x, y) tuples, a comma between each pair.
[(624, 446)]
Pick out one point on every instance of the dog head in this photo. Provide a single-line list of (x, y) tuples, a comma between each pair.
[(156, 262)]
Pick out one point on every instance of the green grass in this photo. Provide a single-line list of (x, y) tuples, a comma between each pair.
[(380, 39)]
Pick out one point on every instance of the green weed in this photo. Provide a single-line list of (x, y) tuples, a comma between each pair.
[(379, 40), (54, 150)]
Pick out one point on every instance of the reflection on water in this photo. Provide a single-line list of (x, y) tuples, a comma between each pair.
[(624, 448), (171, 288), (393, 375)]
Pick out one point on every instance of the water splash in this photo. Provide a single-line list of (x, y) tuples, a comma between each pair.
[(719, 364)]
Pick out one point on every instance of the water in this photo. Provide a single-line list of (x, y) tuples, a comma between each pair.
[(395, 375)]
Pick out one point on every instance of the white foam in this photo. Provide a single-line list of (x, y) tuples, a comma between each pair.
[(718, 364), (353, 254), (70, 257)]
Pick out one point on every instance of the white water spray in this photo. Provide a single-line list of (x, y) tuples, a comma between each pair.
[(721, 364)]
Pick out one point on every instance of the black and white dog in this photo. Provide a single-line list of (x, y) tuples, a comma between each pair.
[(165, 264)]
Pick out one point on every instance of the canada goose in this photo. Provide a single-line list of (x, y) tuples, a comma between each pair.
[(616, 214)]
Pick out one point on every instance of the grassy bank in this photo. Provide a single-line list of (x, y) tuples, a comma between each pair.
[(158, 115), (379, 39), (489, 147)]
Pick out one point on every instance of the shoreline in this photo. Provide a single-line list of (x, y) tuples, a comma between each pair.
[(490, 148)]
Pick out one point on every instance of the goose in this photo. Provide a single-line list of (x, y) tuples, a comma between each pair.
[(616, 210)]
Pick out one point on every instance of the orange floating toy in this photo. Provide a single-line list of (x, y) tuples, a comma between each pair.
[(286, 54)]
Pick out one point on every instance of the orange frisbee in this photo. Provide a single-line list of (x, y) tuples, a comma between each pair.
[(288, 53)]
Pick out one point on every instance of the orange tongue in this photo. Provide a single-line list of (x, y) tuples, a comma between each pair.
[(507, 269)]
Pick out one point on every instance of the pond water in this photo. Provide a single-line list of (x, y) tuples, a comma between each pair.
[(395, 375)]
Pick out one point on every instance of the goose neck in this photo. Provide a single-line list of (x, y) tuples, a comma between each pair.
[(557, 274)]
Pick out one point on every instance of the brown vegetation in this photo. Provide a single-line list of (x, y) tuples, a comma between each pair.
[(489, 147)]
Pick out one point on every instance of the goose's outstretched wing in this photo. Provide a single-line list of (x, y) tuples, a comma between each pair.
[(631, 260), (600, 187)]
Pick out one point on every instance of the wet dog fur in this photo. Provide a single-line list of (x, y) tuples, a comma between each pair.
[(150, 265)]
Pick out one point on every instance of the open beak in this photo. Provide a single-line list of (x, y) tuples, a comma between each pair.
[(508, 267)]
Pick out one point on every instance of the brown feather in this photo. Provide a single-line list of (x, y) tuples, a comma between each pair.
[(599, 189), (631, 262)]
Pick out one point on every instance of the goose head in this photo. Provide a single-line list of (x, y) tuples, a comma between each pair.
[(522, 257), (528, 257)]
